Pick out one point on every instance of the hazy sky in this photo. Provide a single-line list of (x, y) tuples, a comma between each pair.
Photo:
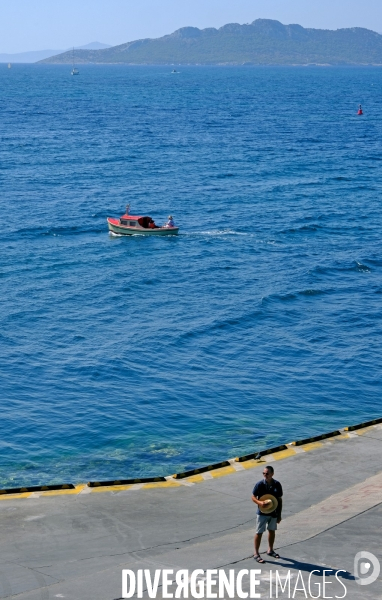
[(40, 24)]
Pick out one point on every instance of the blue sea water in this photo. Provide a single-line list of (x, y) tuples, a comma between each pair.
[(259, 324)]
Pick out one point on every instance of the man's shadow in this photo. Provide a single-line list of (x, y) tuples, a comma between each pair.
[(309, 567)]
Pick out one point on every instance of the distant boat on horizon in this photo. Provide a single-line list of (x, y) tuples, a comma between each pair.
[(9, 66), (75, 71)]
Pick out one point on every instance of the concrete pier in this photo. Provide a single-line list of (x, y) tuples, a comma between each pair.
[(74, 543)]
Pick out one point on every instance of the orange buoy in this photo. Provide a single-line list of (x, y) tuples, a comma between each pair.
[(360, 111)]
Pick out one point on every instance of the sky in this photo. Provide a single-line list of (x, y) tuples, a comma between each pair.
[(27, 25)]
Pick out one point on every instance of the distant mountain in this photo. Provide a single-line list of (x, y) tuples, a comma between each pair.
[(39, 55), (263, 42), (93, 46), (28, 57)]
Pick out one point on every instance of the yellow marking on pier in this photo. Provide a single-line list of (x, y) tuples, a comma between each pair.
[(364, 430), (160, 484), (76, 490), (195, 479), (312, 446), (251, 464), (284, 454), (110, 488), (222, 472), (15, 496)]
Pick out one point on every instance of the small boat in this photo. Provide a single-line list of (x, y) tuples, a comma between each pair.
[(75, 71), (138, 225), (9, 66)]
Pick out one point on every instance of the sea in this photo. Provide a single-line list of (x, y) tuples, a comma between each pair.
[(259, 324)]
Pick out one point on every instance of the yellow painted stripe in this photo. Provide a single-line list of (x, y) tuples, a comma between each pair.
[(76, 490), (251, 464), (284, 454), (312, 446), (161, 484), (222, 472), (14, 496), (364, 430), (195, 479), (110, 488)]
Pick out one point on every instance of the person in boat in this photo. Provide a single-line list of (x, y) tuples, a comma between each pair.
[(152, 224), (170, 222)]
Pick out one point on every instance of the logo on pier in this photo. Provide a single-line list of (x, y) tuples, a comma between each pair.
[(366, 568)]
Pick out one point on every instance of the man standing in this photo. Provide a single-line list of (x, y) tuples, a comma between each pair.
[(268, 485)]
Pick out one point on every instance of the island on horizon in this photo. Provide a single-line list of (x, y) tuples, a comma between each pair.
[(263, 42)]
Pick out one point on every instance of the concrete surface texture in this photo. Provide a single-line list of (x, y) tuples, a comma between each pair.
[(74, 544)]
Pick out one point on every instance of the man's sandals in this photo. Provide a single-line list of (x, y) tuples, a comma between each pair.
[(258, 559)]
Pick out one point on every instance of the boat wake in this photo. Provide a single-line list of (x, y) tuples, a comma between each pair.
[(217, 232)]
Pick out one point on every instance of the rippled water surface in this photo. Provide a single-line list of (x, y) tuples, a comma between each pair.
[(259, 324)]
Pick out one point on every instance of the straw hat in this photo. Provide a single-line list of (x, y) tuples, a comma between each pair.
[(271, 505)]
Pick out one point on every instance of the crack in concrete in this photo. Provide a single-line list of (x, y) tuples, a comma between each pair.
[(135, 551)]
